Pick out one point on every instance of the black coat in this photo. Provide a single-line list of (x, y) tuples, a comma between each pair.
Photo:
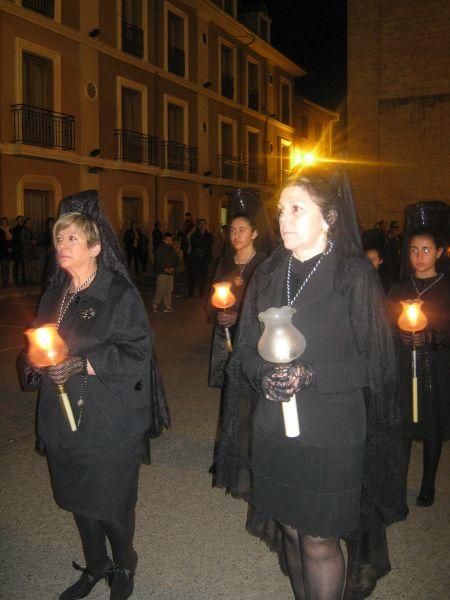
[(107, 324)]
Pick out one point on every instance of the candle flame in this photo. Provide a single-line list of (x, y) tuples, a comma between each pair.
[(44, 338), (412, 317), (223, 297)]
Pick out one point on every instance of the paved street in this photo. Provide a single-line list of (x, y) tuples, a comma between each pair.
[(190, 538)]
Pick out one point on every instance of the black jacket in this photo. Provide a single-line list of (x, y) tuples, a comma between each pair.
[(166, 257), (107, 324)]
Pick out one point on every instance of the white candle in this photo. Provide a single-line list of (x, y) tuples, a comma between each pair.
[(290, 416)]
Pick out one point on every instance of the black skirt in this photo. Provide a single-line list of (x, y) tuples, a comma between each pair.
[(100, 483), (312, 482)]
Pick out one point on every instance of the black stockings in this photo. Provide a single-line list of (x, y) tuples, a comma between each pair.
[(119, 531), (431, 456), (316, 566)]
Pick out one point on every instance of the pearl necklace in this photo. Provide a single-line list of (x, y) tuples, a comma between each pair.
[(290, 302), (435, 282), (64, 306)]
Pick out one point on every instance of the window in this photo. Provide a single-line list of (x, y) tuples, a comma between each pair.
[(37, 84), (36, 205), (227, 71), (131, 109), (175, 216), (304, 127), (285, 159), (132, 141), (229, 6), (43, 7), (36, 120), (227, 159), (132, 30), (131, 210), (285, 103), (253, 156), (319, 132), (178, 154), (176, 56), (264, 29), (252, 85)]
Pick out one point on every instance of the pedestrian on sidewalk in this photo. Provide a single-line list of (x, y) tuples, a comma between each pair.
[(18, 266), (166, 262), (6, 249), (30, 252), (113, 387)]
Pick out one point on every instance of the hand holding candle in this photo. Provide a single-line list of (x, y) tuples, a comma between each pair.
[(47, 348), (413, 320), (224, 298), (282, 343)]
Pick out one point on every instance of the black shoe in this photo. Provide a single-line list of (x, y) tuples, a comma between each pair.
[(86, 583), (425, 499), (122, 584)]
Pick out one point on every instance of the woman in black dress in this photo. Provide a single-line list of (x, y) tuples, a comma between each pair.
[(114, 394), (433, 355), (339, 477)]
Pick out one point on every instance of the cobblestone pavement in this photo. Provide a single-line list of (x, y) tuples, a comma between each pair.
[(190, 538)]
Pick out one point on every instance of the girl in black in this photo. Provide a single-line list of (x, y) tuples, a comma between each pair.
[(433, 356)]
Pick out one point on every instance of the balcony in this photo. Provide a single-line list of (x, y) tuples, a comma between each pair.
[(228, 86), (179, 157), (43, 7), (231, 167), (132, 39), (253, 99), (136, 147), (176, 62), (42, 127)]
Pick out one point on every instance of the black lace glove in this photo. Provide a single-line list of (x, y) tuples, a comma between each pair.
[(410, 339), (62, 372), (280, 382)]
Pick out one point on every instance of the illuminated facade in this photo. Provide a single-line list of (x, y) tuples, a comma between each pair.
[(163, 106)]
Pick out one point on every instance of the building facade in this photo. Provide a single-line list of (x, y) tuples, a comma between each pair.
[(163, 106), (398, 104)]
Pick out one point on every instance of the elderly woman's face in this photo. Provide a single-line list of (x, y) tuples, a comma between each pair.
[(72, 250), (302, 225)]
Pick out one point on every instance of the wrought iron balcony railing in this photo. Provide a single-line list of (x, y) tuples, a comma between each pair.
[(136, 147), (42, 127), (43, 7), (253, 99), (177, 61), (228, 86), (132, 39), (179, 157), (230, 167)]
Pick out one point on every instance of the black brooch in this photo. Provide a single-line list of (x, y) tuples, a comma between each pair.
[(88, 313)]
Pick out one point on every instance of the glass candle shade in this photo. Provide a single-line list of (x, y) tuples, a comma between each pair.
[(412, 318), (223, 297), (280, 342), (46, 346)]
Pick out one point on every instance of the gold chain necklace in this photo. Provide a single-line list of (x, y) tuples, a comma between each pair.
[(239, 279)]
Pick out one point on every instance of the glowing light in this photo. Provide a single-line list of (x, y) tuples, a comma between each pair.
[(223, 297), (309, 158), (412, 318)]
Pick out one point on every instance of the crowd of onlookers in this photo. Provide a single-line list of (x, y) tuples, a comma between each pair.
[(24, 258)]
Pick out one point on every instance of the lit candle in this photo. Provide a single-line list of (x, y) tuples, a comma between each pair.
[(224, 298), (47, 348), (412, 320)]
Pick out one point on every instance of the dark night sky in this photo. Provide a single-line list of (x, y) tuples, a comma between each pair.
[(313, 34)]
